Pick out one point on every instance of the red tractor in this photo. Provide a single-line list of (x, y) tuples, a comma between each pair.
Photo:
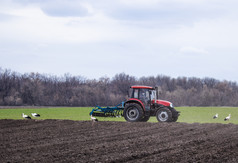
[(143, 103)]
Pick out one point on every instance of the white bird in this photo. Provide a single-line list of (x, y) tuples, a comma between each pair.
[(25, 116), (228, 117), (215, 116), (35, 115), (94, 119)]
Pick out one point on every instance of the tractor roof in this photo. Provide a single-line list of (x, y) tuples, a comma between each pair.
[(142, 87)]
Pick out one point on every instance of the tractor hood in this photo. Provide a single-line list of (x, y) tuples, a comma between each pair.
[(165, 103)]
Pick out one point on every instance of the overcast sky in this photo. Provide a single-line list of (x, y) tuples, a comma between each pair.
[(98, 38)]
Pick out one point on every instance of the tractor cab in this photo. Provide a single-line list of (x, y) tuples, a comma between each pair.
[(143, 94), (147, 97)]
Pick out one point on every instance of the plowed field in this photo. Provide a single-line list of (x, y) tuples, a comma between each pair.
[(84, 141)]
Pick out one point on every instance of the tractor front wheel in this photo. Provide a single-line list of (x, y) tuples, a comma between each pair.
[(164, 115), (133, 112), (175, 115)]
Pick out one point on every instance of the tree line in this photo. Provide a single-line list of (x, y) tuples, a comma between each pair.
[(48, 90)]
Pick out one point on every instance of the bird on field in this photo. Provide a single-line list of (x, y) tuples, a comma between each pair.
[(35, 115), (228, 117), (93, 119), (25, 116), (215, 116)]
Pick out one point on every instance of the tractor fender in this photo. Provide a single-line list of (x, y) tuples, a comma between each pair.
[(134, 100)]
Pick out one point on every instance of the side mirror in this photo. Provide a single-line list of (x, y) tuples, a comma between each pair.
[(158, 91)]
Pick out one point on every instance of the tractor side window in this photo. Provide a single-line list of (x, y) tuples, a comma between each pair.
[(136, 93), (153, 95)]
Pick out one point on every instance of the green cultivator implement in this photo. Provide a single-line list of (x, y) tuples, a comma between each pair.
[(116, 111)]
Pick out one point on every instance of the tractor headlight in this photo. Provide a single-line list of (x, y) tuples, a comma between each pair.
[(171, 105)]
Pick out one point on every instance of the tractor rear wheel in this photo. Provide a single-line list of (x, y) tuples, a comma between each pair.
[(133, 112), (164, 115)]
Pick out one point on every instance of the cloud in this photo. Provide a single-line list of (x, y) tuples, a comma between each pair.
[(65, 9), (59, 8), (5, 17), (192, 50), (162, 12), (79, 35), (178, 11)]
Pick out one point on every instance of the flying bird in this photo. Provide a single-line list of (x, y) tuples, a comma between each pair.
[(215, 116), (25, 116), (228, 117), (35, 115), (94, 119)]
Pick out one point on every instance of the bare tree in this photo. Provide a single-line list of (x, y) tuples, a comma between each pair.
[(68, 90)]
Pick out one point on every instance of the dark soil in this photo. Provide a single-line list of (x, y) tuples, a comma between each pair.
[(81, 141)]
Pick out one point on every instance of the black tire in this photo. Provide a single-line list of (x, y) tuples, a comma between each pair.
[(145, 119), (164, 115), (133, 112), (175, 115)]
